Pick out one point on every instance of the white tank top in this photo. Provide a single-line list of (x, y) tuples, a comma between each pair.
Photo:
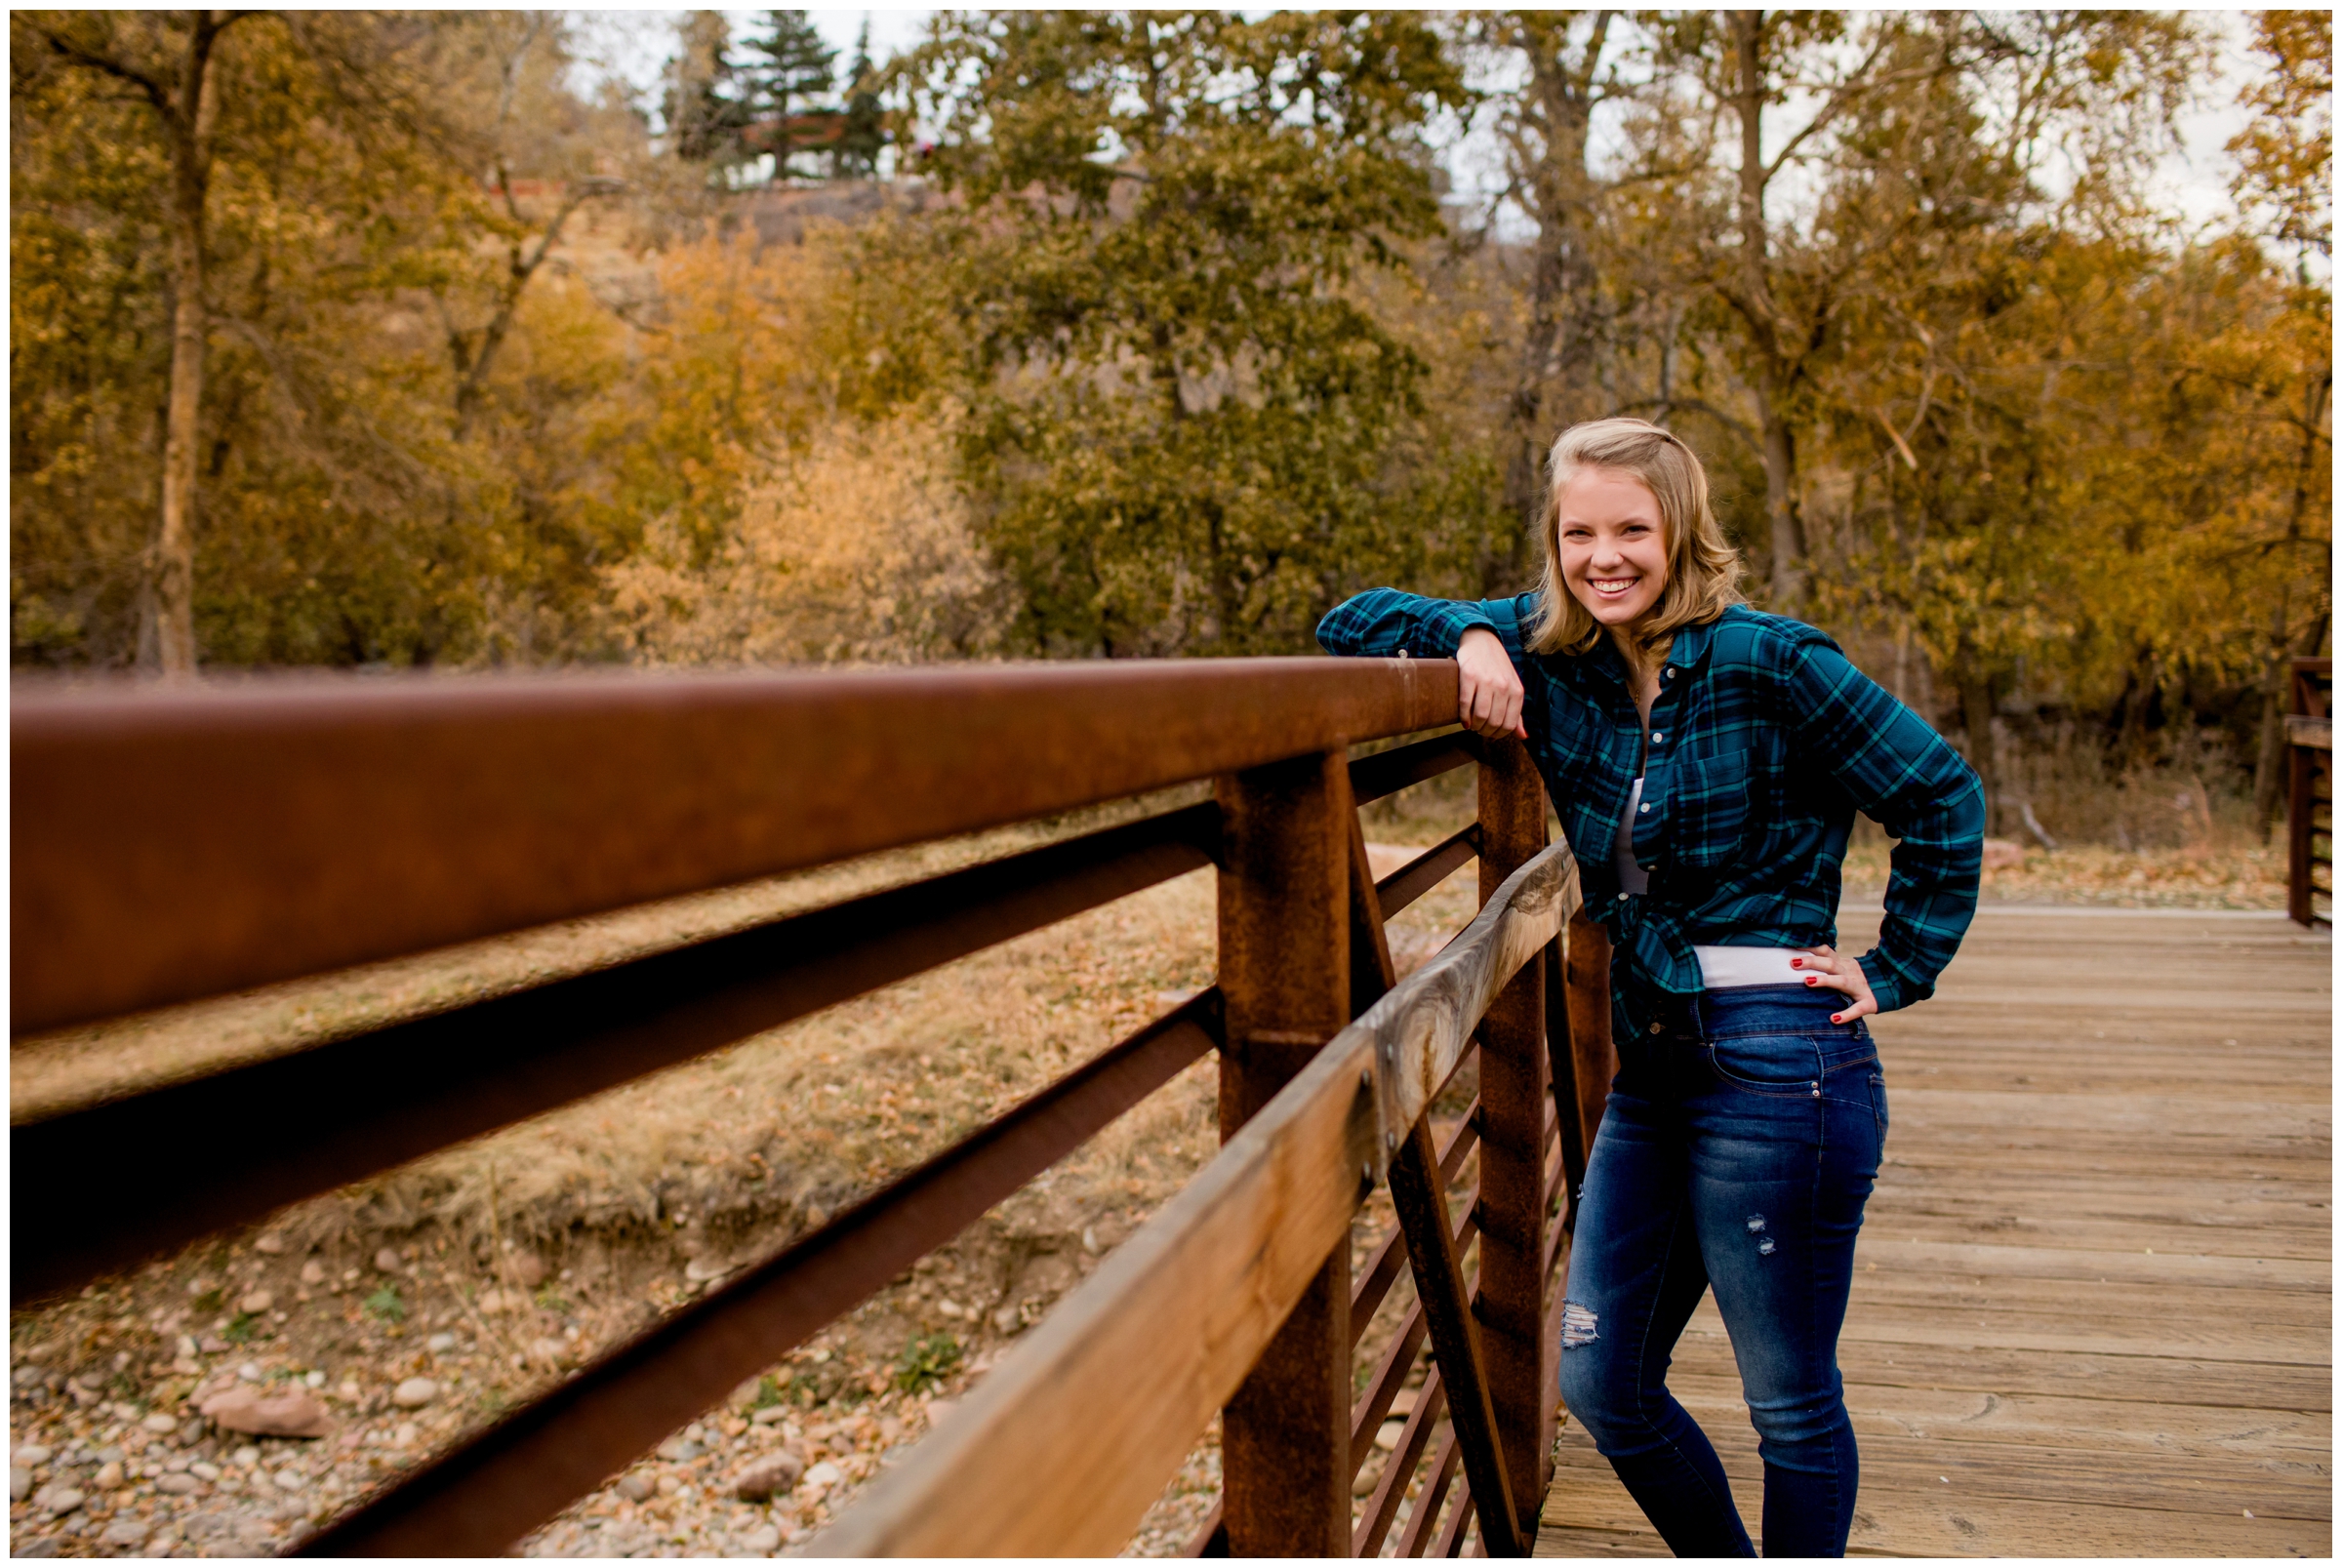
[(1719, 967)]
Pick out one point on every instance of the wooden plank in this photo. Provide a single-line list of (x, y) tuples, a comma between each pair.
[(1062, 1450), (1065, 1446), (2093, 1307), (1422, 1029)]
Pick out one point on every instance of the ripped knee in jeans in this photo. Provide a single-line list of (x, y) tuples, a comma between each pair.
[(1579, 1325)]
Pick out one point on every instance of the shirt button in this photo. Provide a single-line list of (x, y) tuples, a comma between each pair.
[(1656, 737), (1658, 1028), (1646, 808), (1668, 673)]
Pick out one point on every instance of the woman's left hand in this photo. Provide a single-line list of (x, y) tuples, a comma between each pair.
[(1839, 973)]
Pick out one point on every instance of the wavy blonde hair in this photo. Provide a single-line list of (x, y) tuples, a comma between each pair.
[(1703, 569)]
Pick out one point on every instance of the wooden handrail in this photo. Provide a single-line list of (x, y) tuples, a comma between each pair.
[(1074, 1434)]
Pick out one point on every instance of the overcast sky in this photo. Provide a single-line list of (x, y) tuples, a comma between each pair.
[(634, 45)]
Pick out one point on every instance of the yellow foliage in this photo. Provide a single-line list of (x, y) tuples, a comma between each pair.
[(857, 550)]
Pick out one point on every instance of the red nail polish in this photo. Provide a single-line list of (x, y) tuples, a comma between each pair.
[(1810, 980)]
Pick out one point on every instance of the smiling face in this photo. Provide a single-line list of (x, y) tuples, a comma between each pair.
[(1613, 549)]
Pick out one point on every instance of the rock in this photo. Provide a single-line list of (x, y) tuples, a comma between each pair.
[(204, 1470), (192, 1430), (406, 1435), (250, 1372), (635, 1487), (679, 1451), (19, 1483), (290, 1480), (494, 1301), (293, 1413), (774, 1473), (257, 1300), (2002, 852), (1385, 1436), (1403, 1403), (124, 1533), (312, 1272), (58, 1498), (213, 1344), (389, 1262), (271, 1244), (764, 1540), (109, 1476), (525, 1269), (1007, 1320), (951, 1309), (313, 1377), (32, 1454), (160, 1425), (824, 1476), (1362, 1484), (769, 1415), (700, 1271), (248, 1454), (414, 1393), (181, 1485), (440, 1344), (546, 1350), (348, 1392)]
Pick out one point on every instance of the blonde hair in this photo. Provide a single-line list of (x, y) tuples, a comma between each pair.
[(1703, 569)]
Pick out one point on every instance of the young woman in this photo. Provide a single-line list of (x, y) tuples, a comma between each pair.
[(1706, 761)]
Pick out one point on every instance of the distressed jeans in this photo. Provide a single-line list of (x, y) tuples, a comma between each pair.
[(1741, 1139)]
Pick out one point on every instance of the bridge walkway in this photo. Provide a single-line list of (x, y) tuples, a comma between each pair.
[(2092, 1311)]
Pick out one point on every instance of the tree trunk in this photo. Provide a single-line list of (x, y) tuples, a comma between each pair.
[(1556, 189), (171, 560), (1785, 536)]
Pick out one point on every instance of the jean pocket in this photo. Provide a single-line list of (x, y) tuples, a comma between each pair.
[(1879, 1100), (1768, 1063)]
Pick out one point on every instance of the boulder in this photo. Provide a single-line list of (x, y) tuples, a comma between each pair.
[(292, 1412)]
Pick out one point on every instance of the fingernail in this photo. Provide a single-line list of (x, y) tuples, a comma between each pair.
[(1813, 980), (1837, 1018), (1796, 963)]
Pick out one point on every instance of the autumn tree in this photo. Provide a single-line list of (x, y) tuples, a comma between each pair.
[(1178, 406)]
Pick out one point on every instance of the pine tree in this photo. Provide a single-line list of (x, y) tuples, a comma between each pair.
[(856, 155), (794, 78)]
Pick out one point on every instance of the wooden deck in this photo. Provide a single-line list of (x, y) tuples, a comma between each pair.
[(2092, 1309)]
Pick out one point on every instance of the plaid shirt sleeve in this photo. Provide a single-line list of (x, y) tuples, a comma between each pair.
[(1383, 621), (1901, 773)]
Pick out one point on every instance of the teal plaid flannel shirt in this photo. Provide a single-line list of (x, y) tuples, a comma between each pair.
[(1764, 741)]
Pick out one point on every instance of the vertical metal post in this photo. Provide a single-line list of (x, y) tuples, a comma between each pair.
[(1513, 1088), (1285, 978)]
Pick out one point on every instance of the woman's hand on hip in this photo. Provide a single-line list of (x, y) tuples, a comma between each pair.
[(1489, 691), (1839, 973)]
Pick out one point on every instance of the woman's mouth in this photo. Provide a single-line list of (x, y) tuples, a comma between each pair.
[(1613, 588)]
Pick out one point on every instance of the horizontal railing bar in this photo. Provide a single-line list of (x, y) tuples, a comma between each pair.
[(168, 846), (1387, 773), (1383, 1505), (1451, 1538), (1434, 1493), (1392, 1371), (1428, 870), (1063, 1447), (348, 1109), (479, 1498)]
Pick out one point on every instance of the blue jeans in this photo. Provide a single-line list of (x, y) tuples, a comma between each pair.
[(1740, 1141)]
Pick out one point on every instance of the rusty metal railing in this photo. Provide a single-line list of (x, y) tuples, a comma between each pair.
[(2309, 791), (173, 847)]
